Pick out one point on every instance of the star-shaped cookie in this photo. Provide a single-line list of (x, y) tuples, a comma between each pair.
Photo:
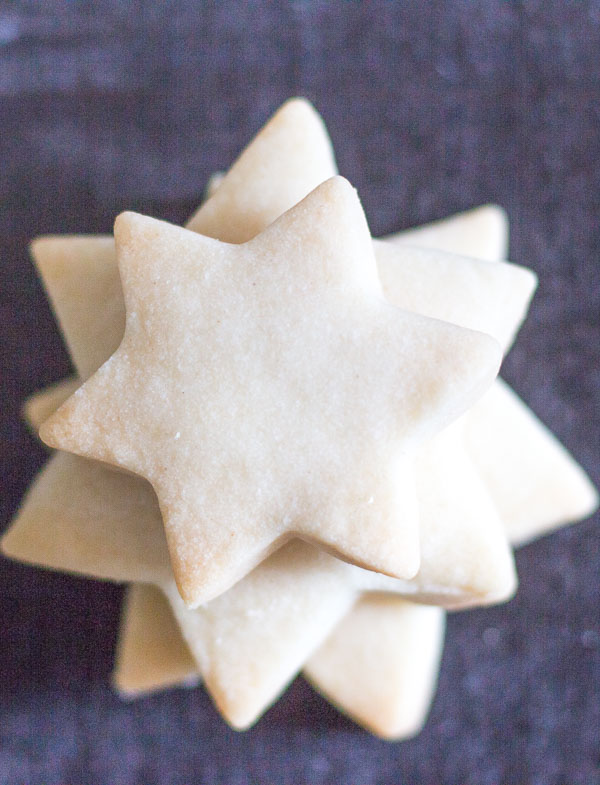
[(247, 655), (140, 591), (380, 664), (381, 661), (420, 274), (293, 149), (266, 390), (452, 287), (60, 547)]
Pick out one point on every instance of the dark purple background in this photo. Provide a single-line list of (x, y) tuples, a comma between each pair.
[(433, 107)]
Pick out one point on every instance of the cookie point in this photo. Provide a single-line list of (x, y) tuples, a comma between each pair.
[(42, 249), (298, 104), (124, 221), (47, 433), (489, 347), (5, 542), (589, 500), (337, 187), (494, 213), (481, 360), (340, 183), (296, 113), (187, 594), (238, 717), (494, 222), (37, 245)]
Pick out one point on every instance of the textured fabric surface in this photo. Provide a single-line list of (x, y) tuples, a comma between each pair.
[(433, 108)]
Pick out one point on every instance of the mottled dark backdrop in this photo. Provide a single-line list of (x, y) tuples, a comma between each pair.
[(434, 107)]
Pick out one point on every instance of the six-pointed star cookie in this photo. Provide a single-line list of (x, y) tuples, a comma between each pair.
[(89, 546), (288, 155), (456, 515), (267, 390), (416, 280), (391, 697), (458, 239), (247, 655)]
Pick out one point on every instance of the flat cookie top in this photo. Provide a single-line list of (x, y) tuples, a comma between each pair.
[(311, 388), (416, 275)]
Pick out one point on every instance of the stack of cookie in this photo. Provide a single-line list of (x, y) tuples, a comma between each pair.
[(289, 438)]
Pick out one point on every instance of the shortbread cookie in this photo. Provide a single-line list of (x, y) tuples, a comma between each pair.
[(184, 668), (296, 424), (492, 283), (381, 664), (88, 312), (370, 702), (152, 654), (293, 147), (482, 572), (535, 483), (150, 648), (237, 710), (470, 295), (476, 528), (288, 148), (508, 280), (481, 232), (104, 507)]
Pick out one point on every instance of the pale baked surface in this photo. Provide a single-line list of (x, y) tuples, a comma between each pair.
[(393, 650), (94, 520), (464, 582), (461, 536), (150, 649), (322, 386), (534, 482), (481, 232), (370, 699), (292, 149), (142, 109), (423, 281)]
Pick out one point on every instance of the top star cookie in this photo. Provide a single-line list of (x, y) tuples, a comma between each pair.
[(267, 390)]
